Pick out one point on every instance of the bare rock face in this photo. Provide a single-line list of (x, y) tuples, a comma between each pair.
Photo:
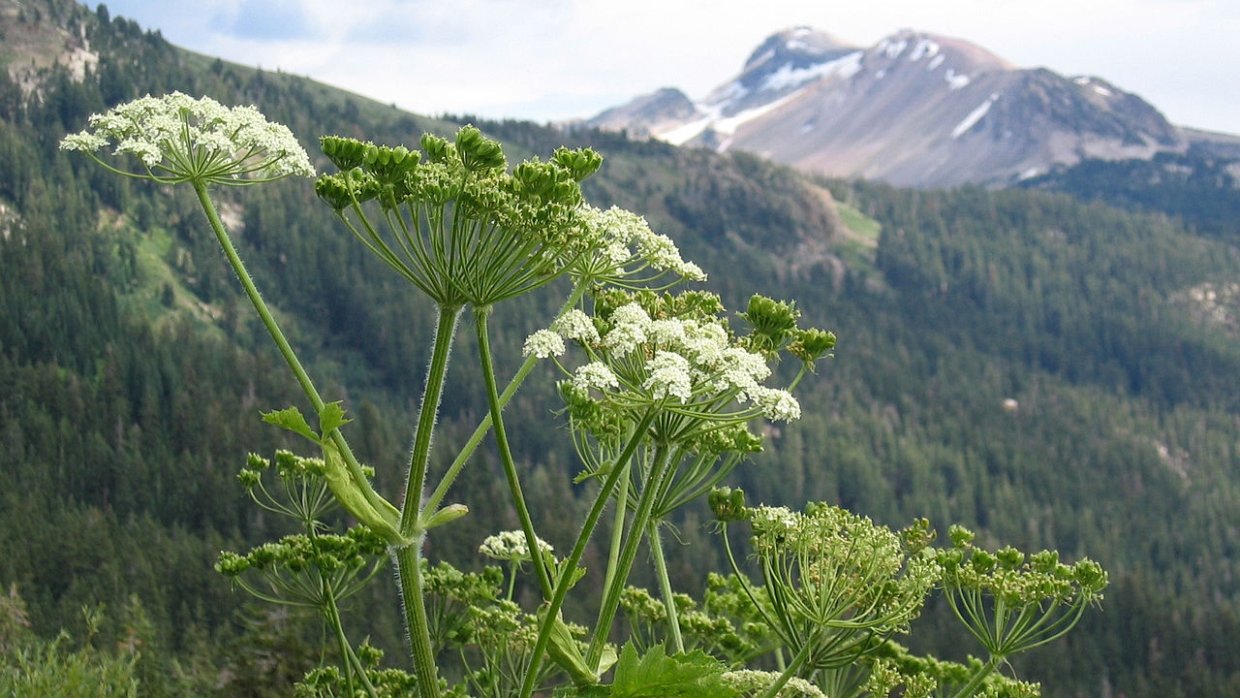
[(915, 109), (648, 115)]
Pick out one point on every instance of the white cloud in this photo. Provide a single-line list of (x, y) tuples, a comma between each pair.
[(552, 59)]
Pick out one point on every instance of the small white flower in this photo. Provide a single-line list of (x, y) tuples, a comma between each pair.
[(595, 375), (543, 344), (741, 369), (704, 343), (620, 231), (669, 376), (668, 333), (629, 326), (776, 405), (577, 326), (511, 546)]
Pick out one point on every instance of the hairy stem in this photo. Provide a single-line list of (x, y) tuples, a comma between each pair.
[(505, 453), (410, 582), (975, 681), (619, 469), (641, 517), (665, 584), (432, 394), (449, 477), (413, 595), (269, 321)]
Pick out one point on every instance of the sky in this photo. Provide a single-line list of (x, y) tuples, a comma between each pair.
[(551, 60)]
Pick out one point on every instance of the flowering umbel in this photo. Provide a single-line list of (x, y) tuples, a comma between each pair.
[(177, 138), (453, 221)]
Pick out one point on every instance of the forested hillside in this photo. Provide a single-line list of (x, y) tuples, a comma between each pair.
[(1050, 372)]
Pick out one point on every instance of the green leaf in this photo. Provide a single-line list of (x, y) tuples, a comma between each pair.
[(656, 675), (291, 418), (331, 417)]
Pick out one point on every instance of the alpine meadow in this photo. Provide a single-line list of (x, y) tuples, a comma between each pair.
[(302, 394)]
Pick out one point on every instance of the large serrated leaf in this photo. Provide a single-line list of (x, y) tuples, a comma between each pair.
[(657, 675)]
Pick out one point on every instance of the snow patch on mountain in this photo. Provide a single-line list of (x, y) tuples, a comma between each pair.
[(892, 48), (788, 77), (974, 116), (924, 48), (955, 80), (718, 123)]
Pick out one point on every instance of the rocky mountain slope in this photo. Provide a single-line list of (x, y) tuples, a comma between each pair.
[(915, 109)]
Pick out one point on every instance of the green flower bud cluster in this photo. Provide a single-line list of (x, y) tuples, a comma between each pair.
[(307, 569), (1012, 602), (302, 493), (454, 222), (892, 666), (885, 678), (329, 681), (1018, 579), (775, 328), (728, 504), (837, 584), (297, 552), (712, 630)]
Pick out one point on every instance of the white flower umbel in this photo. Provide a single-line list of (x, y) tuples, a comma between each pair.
[(629, 326), (544, 344), (630, 254), (510, 546), (177, 138), (752, 682), (577, 326), (669, 377), (776, 405), (688, 355), (595, 375)]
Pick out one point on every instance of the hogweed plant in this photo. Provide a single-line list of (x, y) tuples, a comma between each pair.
[(663, 399)]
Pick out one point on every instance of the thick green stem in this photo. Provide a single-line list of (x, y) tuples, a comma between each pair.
[(505, 453), (975, 681), (409, 574), (432, 393), (617, 529), (347, 656), (410, 582), (665, 584), (449, 477), (269, 321), (641, 517), (619, 469)]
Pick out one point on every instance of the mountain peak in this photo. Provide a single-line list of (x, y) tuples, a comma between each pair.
[(914, 109), (783, 63), (915, 46), (797, 47)]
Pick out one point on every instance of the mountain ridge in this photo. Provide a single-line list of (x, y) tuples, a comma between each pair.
[(915, 109)]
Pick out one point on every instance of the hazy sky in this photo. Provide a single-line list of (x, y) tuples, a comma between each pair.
[(557, 59)]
